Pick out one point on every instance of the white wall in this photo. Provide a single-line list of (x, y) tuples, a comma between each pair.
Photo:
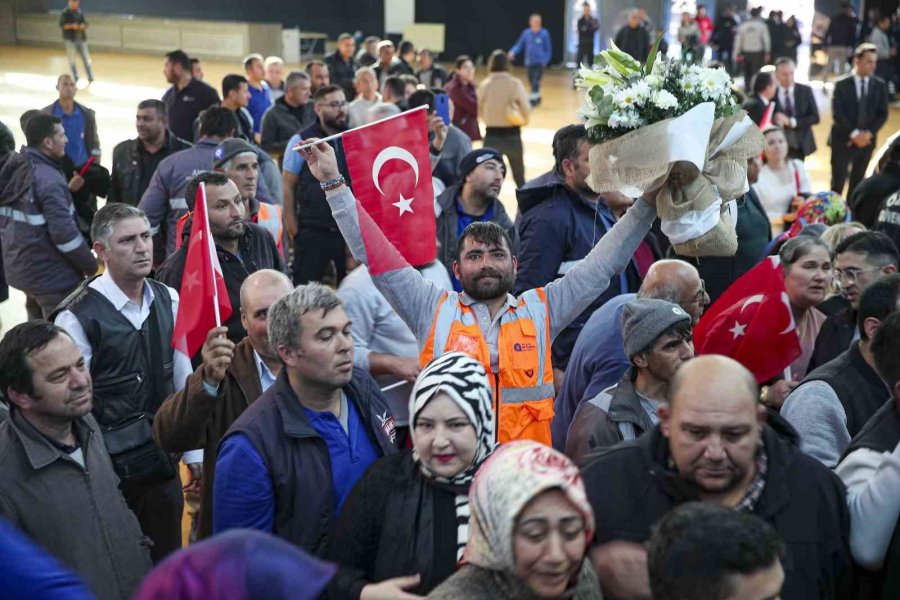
[(398, 14)]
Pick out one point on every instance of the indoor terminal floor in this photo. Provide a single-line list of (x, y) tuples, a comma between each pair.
[(28, 78)]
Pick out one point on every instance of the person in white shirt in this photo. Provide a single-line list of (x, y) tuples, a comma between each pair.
[(782, 180), (367, 96), (123, 322)]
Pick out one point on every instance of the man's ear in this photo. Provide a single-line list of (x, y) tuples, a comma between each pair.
[(100, 251), (456, 269), (20, 399), (870, 326), (664, 410)]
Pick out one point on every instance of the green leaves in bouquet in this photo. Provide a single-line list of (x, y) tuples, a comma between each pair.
[(651, 58)]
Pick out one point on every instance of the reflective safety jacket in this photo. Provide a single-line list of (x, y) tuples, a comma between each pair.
[(523, 387)]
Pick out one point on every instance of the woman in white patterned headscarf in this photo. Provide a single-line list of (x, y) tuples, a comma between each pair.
[(530, 529), (404, 526)]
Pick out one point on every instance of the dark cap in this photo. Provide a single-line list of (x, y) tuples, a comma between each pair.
[(228, 149), (474, 158), (645, 319)]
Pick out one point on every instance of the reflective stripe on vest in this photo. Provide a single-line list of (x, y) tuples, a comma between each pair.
[(269, 216), (453, 320)]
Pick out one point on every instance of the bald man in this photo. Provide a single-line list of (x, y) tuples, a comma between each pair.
[(598, 359), (230, 378), (712, 444)]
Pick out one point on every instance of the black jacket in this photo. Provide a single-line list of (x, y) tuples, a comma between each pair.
[(298, 459), (806, 113), (635, 42), (845, 108), (868, 197), (387, 528), (802, 499), (280, 123), (755, 107), (126, 169), (257, 251), (834, 338)]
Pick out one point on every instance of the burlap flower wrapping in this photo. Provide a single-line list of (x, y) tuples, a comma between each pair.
[(696, 162)]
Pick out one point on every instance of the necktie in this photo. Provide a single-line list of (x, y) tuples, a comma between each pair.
[(862, 117), (788, 105)]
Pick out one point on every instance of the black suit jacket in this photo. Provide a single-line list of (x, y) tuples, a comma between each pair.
[(845, 109), (755, 107), (806, 113)]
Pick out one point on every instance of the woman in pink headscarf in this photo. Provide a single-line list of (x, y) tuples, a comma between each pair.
[(529, 530)]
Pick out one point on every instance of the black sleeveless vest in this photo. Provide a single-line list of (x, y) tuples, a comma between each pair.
[(857, 385), (312, 208), (131, 368)]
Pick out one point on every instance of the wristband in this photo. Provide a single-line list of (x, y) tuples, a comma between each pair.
[(332, 184)]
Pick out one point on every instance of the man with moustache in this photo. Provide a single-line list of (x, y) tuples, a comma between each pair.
[(231, 377), (135, 161), (485, 320), (51, 443), (122, 323), (314, 234), (713, 445)]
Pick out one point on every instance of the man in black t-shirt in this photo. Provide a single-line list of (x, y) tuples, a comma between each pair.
[(187, 97), (73, 24)]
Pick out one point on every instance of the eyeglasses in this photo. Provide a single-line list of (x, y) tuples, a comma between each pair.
[(850, 275), (336, 105), (699, 298)]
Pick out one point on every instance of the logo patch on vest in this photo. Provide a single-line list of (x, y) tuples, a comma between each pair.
[(387, 425), (523, 347), (529, 372)]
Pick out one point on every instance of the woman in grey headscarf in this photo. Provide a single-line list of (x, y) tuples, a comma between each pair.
[(403, 528)]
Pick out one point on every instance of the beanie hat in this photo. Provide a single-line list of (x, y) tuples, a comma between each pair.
[(645, 319), (474, 158), (228, 149)]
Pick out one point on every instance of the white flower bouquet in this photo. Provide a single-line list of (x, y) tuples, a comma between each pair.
[(674, 127)]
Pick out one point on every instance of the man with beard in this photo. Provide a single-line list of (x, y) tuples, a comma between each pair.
[(317, 242), (562, 218), (485, 320), (713, 445), (243, 248), (231, 377), (135, 161), (474, 200)]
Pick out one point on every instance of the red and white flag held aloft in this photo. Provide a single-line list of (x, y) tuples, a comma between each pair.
[(390, 167), (204, 302)]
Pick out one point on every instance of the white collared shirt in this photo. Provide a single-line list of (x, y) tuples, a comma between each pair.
[(136, 315), (857, 83), (266, 377)]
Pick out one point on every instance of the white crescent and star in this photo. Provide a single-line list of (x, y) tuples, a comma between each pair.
[(389, 153), (787, 303), (738, 329)]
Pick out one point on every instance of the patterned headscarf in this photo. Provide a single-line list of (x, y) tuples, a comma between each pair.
[(241, 564), (462, 379), (514, 475)]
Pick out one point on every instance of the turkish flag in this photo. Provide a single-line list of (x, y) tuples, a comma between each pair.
[(768, 114), (204, 302), (752, 323), (390, 168)]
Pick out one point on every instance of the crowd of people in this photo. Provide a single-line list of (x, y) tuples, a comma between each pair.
[(524, 415)]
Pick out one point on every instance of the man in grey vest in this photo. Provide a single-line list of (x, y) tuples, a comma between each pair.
[(833, 402), (123, 323)]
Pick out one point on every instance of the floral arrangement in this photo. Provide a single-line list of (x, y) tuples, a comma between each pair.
[(622, 95)]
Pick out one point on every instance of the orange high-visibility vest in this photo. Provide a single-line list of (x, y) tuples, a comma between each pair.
[(523, 389)]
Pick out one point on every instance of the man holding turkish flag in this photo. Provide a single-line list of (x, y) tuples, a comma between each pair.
[(390, 167), (205, 302), (752, 323)]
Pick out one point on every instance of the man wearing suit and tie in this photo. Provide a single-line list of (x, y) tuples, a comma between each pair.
[(758, 105), (795, 110), (860, 108)]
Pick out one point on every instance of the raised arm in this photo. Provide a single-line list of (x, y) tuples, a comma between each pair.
[(570, 295)]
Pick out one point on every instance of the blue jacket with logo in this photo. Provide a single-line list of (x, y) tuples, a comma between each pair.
[(536, 46)]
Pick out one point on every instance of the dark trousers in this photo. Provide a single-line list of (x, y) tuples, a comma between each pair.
[(535, 74), (857, 159), (725, 55), (41, 305), (585, 54), (753, 62), (314, 252), (158, 509), (508, 141)]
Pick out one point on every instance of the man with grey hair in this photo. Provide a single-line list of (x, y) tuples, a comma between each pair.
[(382, 110), (230, 378), (123, 322), (598, 360), (288, 462), (366, 84), (291, 113)]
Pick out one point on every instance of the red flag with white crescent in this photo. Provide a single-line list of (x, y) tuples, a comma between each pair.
[(752, 322), (203, 302), (390, 167)]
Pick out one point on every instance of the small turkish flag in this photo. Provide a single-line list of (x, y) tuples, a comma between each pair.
[(390, 168), (766, 120), (752, 322), (204, 302)]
